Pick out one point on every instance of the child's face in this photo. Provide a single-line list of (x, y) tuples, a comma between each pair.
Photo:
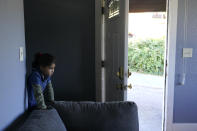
[(48, 70)]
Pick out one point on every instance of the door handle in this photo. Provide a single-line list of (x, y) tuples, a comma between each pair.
[(124, 87), (120, 73), (130, 86)]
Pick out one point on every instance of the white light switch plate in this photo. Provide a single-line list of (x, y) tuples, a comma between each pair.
[(21, 54), (187, 52)]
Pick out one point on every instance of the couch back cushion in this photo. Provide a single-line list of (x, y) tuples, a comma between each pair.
[(43, 120), (97, 116)]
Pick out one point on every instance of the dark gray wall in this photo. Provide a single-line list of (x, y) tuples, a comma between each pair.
[(64, 28), (12, 72), (185, 97)]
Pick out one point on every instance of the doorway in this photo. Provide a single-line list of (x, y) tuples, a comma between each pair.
[(172, 11), (146, 61)]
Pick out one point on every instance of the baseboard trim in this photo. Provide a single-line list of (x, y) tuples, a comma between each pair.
[(185, 127)]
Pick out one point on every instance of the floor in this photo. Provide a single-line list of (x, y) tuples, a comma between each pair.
[(147, 93)]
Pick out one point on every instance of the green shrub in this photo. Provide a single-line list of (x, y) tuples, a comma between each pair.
[(147, 56)]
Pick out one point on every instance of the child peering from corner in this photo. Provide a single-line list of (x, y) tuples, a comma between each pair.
[(40, 90)]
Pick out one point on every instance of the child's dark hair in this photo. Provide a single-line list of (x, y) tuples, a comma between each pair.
[(43, 60)]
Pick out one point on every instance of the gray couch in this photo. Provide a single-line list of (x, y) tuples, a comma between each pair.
[(84, 116)]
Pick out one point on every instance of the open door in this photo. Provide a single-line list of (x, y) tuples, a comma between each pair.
[(116, 49)]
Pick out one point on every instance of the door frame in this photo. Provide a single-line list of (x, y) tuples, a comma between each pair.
[(99, 52), (98, 44), (172, 10)]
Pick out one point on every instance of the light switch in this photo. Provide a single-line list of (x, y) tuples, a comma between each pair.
[(187, 52), (21, 54)]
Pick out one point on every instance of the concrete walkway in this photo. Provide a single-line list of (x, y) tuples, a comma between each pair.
[(147, 93), (146, 80)]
